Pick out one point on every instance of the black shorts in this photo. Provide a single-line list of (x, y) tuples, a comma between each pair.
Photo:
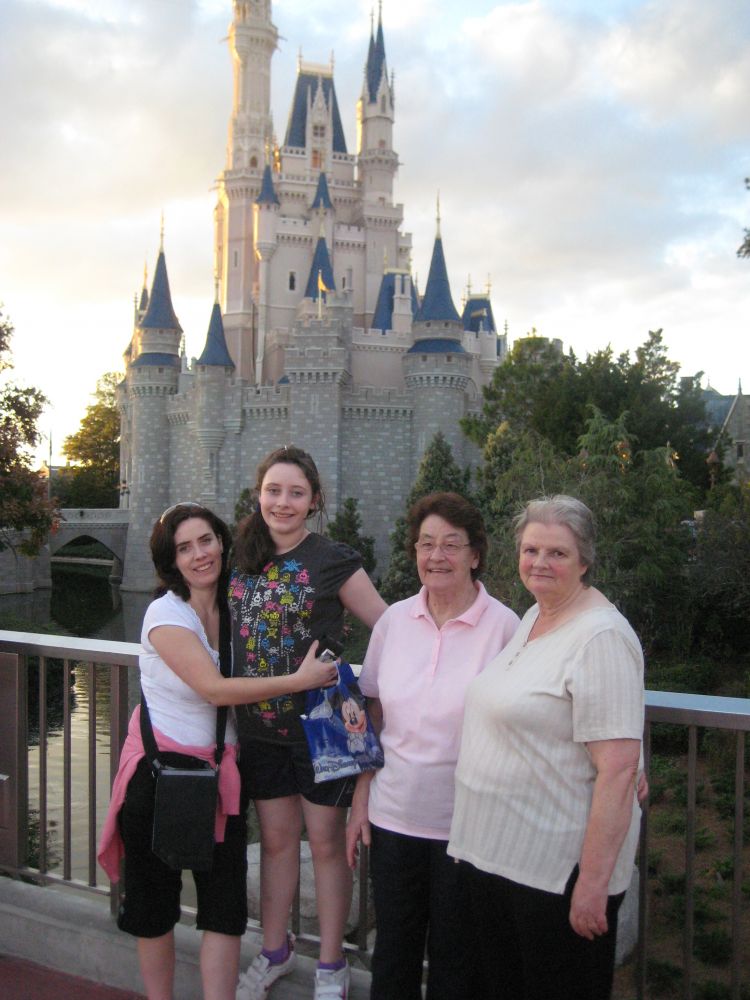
[(275, 770), (151, 904)]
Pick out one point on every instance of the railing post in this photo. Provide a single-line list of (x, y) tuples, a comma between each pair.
[(118, 700), (14, 785)]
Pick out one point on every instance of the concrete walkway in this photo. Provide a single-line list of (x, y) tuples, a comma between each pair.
[(83, 955)]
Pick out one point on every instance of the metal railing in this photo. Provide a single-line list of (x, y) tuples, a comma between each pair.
[(21, 653)]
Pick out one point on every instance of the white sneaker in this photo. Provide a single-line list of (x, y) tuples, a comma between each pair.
[(332, 985), (261, 975)]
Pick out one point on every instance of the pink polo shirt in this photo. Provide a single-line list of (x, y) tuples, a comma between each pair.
[(420, 673)]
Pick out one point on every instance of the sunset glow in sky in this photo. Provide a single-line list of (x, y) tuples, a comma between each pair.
[(590, 157)]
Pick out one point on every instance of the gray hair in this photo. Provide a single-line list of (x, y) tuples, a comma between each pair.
[(568, 511)]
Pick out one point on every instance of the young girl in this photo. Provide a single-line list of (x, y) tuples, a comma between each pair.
[(290, 587), (183, 686)]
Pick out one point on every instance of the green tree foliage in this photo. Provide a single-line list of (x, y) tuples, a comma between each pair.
[(721, 582), (438, 471), (25, 511), (347, 526), (744, 248), (539, 390), (639, 502), (96, 448)]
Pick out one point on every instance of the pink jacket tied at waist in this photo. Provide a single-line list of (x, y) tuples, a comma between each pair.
[(111, 848)]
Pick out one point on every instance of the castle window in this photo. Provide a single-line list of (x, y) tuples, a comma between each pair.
[(253, 162), (382, 103), (343, 282), (381, 143), (740, 449), (319, 131), (315, 162), (236, 258), (292, 281)]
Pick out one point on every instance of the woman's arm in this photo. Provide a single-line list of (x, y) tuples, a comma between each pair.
[(358, 824), (183, 652), (359, 596), (616, 763)]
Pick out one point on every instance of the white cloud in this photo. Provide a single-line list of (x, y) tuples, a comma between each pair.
[(589, 156)]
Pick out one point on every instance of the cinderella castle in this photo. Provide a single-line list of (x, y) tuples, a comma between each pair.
[(318, 335)]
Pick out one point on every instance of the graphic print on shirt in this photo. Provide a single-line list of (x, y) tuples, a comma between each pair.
[(273, 613)]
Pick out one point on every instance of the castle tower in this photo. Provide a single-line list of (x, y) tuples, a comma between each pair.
[(212, 370), (377, 164), (253, 39), (437, 366), (375, 115), (150, 380)]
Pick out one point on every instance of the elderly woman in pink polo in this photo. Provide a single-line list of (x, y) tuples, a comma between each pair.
[(423, 654)]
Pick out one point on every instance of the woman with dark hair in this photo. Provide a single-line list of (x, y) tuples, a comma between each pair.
[(422, 656), (290, 586), (182, 685), (546, 811)]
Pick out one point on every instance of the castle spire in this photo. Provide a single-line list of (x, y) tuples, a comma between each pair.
[(321, 272), (215, 352), (437, 301), (160, 314)]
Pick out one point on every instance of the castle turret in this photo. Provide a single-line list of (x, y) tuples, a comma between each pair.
[(151, 379), (377, 164), (375, 116), (437, 367), (479, 321), (212, 372)]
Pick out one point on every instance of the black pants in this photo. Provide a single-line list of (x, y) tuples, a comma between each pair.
[(420, 895), (529, 951)]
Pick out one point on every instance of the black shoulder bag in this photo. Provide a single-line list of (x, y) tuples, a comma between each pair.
[(187, 787)]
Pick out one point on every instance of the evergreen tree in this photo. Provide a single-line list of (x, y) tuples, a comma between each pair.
[(346, 527), (96, 448), (539, 390), (639, 502), (26, 513), (438, 471)]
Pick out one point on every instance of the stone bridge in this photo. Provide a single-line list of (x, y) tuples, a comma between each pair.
[(108, 526)]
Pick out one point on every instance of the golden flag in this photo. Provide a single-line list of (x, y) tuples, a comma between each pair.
[(321, 284)]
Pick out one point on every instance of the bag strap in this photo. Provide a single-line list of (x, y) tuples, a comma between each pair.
[(225, 665)]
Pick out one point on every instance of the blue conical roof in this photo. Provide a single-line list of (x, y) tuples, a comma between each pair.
[(267, 194), (437, 302), (321, 265), (307, 88), (375, 63), (160, 315), (477, 315), (215, 350), (322, 197)]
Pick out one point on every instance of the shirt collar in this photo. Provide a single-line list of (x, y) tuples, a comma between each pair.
[(469, 617)]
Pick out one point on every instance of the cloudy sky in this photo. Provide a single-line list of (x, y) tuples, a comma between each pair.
[(590, 157)]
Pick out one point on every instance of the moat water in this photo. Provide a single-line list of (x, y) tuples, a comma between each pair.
[(88, 607)]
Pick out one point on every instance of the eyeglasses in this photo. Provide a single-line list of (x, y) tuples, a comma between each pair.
[(176, 506), (447, 548)]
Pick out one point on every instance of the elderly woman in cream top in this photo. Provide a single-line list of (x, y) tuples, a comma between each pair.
[(546, 812)]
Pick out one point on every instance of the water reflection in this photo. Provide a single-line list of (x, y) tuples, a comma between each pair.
[(83, 605)]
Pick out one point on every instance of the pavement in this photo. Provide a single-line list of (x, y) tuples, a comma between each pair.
[(22, 980)]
